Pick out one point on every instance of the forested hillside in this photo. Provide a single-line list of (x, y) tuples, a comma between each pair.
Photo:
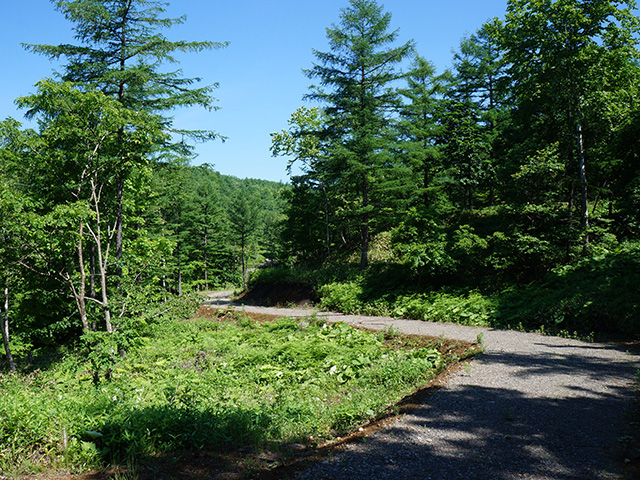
[(503, 191)]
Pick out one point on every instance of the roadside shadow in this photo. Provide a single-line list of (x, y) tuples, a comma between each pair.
[(566, 429)]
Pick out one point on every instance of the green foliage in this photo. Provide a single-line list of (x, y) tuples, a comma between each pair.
[(595, 295), (364, 180), (496, 157), (464, 308), (121, 53), (206, 384), (282, 275), (341, 297)]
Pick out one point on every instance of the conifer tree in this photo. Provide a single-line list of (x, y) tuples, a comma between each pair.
[(420, 125), (356, 83), (121, 53)]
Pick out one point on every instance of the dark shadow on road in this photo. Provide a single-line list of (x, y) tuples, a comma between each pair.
[(568, 429)]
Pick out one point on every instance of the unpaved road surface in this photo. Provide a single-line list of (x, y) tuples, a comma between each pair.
[(531, 407)]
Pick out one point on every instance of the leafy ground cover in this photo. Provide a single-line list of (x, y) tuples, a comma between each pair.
[(224, 391), (596, 296)]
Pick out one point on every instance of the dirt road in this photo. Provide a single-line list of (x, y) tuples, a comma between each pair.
[(531, 407)]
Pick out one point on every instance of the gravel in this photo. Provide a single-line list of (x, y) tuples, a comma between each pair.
[(531, 407)]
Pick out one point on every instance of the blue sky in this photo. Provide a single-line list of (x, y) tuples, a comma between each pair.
[(260, 72)]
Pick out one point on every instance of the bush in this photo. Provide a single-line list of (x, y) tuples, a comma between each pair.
[(341, 297), (599, 294), (463, 308)]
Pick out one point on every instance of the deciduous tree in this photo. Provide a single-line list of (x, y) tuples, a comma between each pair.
[(572, 65)]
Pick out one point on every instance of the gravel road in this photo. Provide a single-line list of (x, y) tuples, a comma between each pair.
[(531, 407)]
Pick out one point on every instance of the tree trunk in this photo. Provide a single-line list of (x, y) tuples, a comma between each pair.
[(204, 259), (103, 257), (244, 266), (178, 245), (364, 255), (570, 217), (583, 186), (164, 280), (104, 292), (92, 281), (5, 330), (119, 227), (81, 294), (179, 271)]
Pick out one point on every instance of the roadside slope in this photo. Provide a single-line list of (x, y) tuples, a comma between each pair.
[(531, 407)]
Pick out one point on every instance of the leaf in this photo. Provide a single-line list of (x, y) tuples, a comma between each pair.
[(93, 435)]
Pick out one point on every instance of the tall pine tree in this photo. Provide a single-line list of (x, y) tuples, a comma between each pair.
[(121, 53), (356, 84)]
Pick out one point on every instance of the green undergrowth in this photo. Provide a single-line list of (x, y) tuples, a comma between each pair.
[(210, 384), (596, 295)]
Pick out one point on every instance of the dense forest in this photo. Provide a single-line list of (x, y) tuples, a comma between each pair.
[(102, 217), (504, 191)]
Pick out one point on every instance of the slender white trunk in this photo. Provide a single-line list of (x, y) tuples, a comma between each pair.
[(5, 330), (583, 186), (81, 295), (102, 256), (164, 280)]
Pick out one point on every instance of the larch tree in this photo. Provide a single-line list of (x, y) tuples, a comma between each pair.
[(420, 126), (121, 53), (478, 77), (357, 86), (244, 220)]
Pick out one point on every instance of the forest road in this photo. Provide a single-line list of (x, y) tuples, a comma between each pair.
[(531, 407)]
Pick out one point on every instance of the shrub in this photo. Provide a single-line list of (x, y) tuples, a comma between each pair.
[(464, 308), (599, 294), (341, 297)]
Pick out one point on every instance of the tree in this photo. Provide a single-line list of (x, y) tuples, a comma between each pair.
[(356, 83), (303, 143), (205, 225), (572, 65), (421, 127), (478, 97), (11, 206), (244, 220), (70, 165), (121, 54), (479, 68), (466, 151)]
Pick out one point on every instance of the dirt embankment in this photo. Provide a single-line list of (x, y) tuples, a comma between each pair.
[(284, 295)]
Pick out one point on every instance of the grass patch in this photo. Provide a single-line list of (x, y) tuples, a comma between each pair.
[(221, 383)]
